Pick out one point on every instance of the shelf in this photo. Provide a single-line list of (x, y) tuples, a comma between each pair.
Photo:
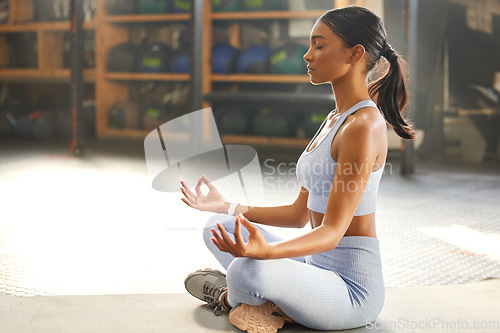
[(147, 76), (141, 134), (287, 100), (43, 26), (139, 18), (279, 78), (30, 74), (124, 133), (264, 140), (267, 15)]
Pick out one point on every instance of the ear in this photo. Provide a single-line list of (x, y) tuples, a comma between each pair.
[(358, 52)]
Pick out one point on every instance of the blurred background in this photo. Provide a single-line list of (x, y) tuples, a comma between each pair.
[(82, 82), (139, 63)]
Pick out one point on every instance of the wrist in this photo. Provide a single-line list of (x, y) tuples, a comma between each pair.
[(271, 252), (231, 211), (224, 207)]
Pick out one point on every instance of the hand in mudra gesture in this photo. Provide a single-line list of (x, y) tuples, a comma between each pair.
[(255, 247), (213, 201)]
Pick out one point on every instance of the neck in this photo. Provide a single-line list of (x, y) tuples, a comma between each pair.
[(349, 91)]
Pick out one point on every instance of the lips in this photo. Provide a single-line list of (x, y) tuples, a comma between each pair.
[(310, 69)]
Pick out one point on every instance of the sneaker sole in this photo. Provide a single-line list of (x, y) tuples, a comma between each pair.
[(256, 319)]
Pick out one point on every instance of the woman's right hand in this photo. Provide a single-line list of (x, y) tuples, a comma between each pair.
[(213, 201)]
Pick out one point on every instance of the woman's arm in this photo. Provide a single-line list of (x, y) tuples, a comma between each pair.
[(290, 216), (356, 157)]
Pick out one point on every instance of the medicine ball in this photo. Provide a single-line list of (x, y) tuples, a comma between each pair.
[(255, 60), (123, 58), (319, 4), (121, 7), (181, 63), (7, 124), (237, 121), (125, 114), (155, 58), (224, 57), (181, 6), (154, 6), (155, 115), (288, 59), (226, 5), (269, 122), (262, 5), (311, 123)]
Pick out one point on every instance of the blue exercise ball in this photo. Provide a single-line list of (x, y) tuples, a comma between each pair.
[(223, 56), (181, 64), (255, 60)]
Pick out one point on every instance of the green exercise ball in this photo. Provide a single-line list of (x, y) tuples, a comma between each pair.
[(311, 123), (269, 122), (181, 6), (155, 115), (154, 6), (289, 59), (237, 121), (226, 5)]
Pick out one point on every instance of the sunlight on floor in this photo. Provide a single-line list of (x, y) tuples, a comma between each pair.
[(473, 242)]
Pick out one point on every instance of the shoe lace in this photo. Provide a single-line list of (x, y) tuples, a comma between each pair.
[(213, 296)]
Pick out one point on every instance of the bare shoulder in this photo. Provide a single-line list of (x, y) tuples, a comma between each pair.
[(364, 133), (365, 121)]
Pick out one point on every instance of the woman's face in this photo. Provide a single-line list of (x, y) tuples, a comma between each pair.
[(327, 57)]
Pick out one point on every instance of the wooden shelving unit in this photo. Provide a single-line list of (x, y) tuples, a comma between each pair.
[(236, 19), (113, 87), (45, 75), (141, 18), (111, 30), (42, 26), (50, 46), (146, 76)]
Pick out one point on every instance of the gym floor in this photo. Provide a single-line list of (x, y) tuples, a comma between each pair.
[(86, 244)]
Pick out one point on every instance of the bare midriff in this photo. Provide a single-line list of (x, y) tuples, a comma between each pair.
[(360, 225)]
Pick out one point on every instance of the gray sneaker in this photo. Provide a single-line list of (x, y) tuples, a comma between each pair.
[(208, 285)]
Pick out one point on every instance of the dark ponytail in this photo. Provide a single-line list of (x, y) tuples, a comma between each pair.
[(392, 93), (357, 25)]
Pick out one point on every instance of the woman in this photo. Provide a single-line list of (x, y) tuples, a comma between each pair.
[(331, 277)]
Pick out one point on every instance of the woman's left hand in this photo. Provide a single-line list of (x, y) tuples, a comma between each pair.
[(256, 247)]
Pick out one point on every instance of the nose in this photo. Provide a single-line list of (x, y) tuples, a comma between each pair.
[(307, 56)]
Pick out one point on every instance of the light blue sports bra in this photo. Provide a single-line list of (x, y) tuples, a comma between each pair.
[(316, 169)]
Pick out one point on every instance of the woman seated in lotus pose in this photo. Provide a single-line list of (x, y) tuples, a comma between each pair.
[(331, 277)]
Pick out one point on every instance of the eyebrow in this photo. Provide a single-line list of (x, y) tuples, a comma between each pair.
[(316, 37)]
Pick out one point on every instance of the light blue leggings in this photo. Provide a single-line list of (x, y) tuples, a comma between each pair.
[(339, 289)]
